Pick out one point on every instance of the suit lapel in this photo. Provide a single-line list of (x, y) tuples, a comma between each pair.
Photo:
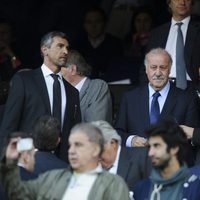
[(169, 103), (191, 36), (164, 34), (143, 100), (124, 164), (84, 88), (42, 88)]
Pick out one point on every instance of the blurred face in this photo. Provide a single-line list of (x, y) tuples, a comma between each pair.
[(94, 24), (157, 70), (56, 55), (83, 155), (109, 154), (143, 23), (180, 8), (158, 154)]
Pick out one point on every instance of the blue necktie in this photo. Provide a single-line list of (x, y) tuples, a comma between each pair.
[(56, 111), (181, 81), (155, 109)]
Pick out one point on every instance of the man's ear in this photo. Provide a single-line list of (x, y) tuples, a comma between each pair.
[(114, 143), (96, 151), (174, 150), (44, 51), (73, 69)]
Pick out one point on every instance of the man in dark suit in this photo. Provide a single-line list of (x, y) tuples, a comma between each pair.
[(132, 164), (46, 136), (31, 93), (165, 36), (136, 106), (95, 98)]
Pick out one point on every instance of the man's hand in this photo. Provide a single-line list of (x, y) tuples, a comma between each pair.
[(11, 151), (188, 131), (138, 141)]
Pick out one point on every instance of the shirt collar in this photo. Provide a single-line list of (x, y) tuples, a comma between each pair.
[(162, 92), (47, 72), (97, 170), (185, 21), (80, 84)]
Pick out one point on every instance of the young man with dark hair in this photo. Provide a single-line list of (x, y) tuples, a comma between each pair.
[(170, 177), (46, 136)]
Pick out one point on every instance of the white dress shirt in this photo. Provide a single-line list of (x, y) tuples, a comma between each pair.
[(113, 169), (161, 100), (171, 43), (80, 84), (49, 83)]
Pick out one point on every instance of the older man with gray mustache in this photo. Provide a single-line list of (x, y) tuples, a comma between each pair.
[(153, 102)]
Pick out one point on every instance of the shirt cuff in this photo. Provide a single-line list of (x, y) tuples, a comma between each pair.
[(129, 141)]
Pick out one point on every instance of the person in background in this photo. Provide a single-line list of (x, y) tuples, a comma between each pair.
[(166, 35), (94, 94), (46, 138), (98, 47), (132, 164), (26, 160), (137, 39), (9, 62)]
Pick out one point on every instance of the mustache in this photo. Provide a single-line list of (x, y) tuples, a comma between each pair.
[(159, 78)]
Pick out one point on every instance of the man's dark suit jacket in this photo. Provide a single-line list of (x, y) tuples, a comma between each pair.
[(26, 175), (133, 165), (45, 161), (28, 99), (158, 38), (133, 117)]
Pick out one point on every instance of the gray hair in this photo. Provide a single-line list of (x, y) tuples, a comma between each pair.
[(108, 131), (75, 58), (47, 39), (157, 51), (93, 133)]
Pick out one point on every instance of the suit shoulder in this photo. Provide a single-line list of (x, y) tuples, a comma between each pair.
[(161, 27), (98, 82)]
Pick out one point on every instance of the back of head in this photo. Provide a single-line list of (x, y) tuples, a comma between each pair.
[(108, 131), (172, 135), (75, 58), (46, 132)]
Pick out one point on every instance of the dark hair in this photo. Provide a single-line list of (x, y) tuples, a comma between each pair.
[(93, 133), (138, 11), (98, 10), (46, 132), (172, 135), (75, 58)]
